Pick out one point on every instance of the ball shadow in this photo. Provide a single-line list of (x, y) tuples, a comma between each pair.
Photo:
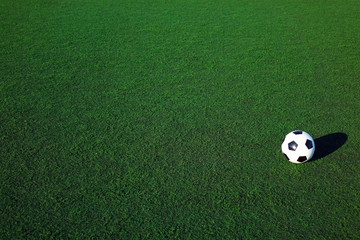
[(328, 144)]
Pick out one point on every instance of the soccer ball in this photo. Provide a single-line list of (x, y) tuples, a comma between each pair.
[(298, 147)]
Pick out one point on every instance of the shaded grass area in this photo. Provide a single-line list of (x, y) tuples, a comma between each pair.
[(136, 119)]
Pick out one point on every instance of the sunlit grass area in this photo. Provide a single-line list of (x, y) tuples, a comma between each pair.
[(164, 119)]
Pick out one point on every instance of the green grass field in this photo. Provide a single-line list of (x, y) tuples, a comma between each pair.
[(163, 119)]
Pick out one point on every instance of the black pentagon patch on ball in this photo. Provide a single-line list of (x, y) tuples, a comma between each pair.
[(297, 132), (286, 156), (309, 144), (292, 146), (302, 159)]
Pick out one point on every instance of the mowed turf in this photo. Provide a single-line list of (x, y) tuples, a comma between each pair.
[(164, 119)]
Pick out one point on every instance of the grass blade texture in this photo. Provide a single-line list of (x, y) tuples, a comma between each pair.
[(164, 119)]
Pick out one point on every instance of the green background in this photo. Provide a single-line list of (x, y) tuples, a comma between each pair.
[(164, 119)]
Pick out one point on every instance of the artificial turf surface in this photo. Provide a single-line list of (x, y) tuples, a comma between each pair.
[(164, 119)]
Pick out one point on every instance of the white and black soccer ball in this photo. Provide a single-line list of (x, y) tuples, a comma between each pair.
[(298, 146)]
